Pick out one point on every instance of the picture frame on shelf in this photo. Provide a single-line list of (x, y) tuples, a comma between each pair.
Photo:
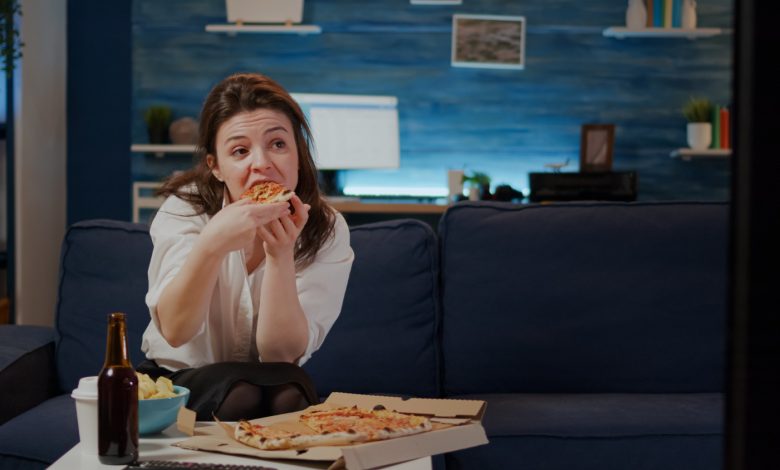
[(597, 142), (488, 41)]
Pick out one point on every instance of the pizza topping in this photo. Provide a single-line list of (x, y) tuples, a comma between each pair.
[(267, 192)]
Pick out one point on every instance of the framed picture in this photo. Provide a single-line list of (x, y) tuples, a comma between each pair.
[(596, 145), (488, 41)]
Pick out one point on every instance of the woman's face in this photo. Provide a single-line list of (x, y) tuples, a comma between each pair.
[(255, 146)]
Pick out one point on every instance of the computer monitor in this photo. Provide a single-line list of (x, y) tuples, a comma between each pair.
[(352, 132)]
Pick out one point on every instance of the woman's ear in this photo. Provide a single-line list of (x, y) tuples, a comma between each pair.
[(211, 161)]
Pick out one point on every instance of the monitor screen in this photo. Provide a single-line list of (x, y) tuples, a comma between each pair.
[(353, 131)]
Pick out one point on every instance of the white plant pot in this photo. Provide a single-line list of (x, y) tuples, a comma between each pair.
[(699, 135)]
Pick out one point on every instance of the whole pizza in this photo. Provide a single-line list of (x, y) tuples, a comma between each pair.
[(340, 426), (267, 192)]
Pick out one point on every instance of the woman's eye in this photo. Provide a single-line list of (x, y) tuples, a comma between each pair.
[(239, 151), (278, 144)]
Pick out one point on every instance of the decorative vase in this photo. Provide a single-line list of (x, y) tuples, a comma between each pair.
[(699, 135), (688, 20), (636, 14), (184, 131)]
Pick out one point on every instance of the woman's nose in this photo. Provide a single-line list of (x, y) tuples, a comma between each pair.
[(259, 160)]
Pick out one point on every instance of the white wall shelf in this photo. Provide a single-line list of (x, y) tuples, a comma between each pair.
[(688, 154), (161, 149), (234, 28), (622, 32)]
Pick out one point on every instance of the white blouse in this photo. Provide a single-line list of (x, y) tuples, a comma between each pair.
[(228, 334)]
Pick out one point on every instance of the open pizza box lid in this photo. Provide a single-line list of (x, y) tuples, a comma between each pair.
[(456, 426)]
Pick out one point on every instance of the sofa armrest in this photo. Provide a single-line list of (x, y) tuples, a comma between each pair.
[(27, 369)]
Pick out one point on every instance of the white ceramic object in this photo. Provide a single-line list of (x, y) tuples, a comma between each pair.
[(699, 135), (184, 131), (688, 20), (636, 14), (86, 396)]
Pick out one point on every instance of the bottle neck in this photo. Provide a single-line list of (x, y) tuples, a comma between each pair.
[(116, 342)]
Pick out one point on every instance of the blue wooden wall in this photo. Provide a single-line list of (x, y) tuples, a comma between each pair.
[(503, 122)]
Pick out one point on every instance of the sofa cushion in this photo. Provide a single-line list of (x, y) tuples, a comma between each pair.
[(103, 269), (385, 337), (53, 423), (25, 348), (584, 297), (677, 452), (598, 431), (566, 415)]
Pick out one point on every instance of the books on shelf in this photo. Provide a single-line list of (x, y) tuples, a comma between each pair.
[(664, 13), (721, 127)]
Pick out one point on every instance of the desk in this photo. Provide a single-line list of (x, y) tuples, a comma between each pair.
[(362, 212), (159, 447)]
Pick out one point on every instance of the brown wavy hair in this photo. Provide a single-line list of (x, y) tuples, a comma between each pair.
[(240, 93)]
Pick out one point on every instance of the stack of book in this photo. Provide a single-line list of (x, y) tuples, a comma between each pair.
[(664, 13), (721, 128)]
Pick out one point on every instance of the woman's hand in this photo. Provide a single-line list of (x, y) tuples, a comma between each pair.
[(279, 235), (234, 227)]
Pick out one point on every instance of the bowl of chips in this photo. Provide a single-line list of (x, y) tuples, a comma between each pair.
[(158, 403)]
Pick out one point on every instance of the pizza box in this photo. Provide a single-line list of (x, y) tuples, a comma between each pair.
[(457, 425)]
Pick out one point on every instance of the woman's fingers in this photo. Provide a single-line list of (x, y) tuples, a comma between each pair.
[(265, 234), (265, 213), (301, 212), (276, 228), (289, 226)]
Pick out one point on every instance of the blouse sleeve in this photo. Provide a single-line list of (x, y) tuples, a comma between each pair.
[(321, 286), (174, 230)]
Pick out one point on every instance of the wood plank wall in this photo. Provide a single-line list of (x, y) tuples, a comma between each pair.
[(503, 122)]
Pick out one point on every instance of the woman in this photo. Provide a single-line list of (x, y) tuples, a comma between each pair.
[(241, 294)]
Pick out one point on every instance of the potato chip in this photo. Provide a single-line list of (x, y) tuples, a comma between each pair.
[(149, 389)]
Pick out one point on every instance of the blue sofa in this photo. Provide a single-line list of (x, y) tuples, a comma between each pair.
[(595, 331)]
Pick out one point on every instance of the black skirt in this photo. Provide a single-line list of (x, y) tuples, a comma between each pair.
[(210, 384)]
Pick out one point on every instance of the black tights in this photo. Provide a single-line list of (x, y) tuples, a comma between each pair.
[(248, 401)]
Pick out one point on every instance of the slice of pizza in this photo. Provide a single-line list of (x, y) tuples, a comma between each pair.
[(377, 424), (263, 437), (268, 438), (268, 192)]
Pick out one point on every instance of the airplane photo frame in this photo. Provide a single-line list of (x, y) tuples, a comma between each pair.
[(488, 41)]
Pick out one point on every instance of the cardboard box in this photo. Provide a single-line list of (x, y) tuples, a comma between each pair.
[(457, 425)]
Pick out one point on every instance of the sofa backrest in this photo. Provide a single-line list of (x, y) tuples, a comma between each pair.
[(103, 269), (583, 297), (384, 341)]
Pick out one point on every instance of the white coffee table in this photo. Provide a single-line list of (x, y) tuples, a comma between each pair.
[(159, 447)]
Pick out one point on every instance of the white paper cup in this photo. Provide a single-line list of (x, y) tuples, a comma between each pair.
[(86, 396)]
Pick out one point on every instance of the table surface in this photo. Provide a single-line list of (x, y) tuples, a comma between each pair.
[(159, 447)]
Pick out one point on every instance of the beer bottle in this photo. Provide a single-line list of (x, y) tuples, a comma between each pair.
[(117, 399)]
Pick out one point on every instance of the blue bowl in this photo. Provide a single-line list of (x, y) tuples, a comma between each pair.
[(156, 414)]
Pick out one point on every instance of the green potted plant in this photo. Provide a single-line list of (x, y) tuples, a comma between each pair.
[(479, 185), (158, 120), (10, 45), (698, 112)]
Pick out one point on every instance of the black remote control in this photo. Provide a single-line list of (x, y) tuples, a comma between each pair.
[(174, 465)]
